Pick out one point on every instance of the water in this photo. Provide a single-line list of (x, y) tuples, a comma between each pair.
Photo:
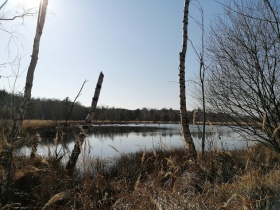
[(110, 140)]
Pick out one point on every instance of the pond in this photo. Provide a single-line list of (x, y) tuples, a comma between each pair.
[(110, 140)]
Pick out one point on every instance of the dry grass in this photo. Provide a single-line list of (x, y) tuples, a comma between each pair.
[(162, 179), (35, 124), (154, 180), (41, 124)]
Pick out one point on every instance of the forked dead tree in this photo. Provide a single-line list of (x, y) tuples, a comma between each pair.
[(84, 128), (183, 108)]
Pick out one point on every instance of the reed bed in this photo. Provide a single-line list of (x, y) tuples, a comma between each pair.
[(162, 179), (156, 179)]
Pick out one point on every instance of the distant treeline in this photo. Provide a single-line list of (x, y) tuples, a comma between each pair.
[(54, 109)]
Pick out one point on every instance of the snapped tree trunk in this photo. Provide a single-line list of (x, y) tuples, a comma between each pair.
[(183, 108), (83, 130)]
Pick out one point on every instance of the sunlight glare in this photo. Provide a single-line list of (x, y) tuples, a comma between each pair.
[(30, 3)]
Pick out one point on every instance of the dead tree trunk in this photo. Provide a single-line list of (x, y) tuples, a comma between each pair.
[(84, 128), (183, 108), (202, 70), (19, 116)]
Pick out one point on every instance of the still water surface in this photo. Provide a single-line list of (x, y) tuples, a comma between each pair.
[(110, 140)]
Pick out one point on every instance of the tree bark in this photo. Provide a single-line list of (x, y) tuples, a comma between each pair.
[(183, 108), (83, 130)]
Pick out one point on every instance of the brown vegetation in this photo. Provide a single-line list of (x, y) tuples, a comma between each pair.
[(150, 180)]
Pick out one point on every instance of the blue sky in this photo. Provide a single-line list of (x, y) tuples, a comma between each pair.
[(135, 43)]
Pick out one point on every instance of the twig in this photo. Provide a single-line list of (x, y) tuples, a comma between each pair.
[(72, 106)]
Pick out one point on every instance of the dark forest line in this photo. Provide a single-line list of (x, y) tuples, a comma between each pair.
[(54, 109)]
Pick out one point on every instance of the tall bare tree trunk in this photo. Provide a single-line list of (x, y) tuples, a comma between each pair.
[(183, 108), (202, 70), (19, 116), (18, 119), (83, 130)]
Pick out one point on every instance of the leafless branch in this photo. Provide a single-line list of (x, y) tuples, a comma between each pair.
[(229, 8), (18, 16), (3, 4), (72, 106)]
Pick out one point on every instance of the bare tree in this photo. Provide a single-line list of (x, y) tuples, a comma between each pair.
[(202, 70), (30, 73), (18, 119), (183, 108), (244, 83)]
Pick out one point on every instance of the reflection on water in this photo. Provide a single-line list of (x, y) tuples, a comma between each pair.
[(109, 140)]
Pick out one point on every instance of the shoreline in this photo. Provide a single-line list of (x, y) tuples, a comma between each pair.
[(35, 124)]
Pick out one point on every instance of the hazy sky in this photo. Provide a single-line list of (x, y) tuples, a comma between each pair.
[(135, 43)]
